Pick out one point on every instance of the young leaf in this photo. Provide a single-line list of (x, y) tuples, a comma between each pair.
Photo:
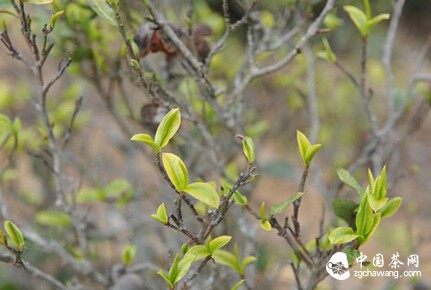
[(54, 18), (176, 170), (168, 127), (266, 225), (53, 218), (350, 181), (375, 203), (311, 151), (161, 215), (38, 2), (351, 254), (166, 278), (248, 148), (204, 192), (303, 144), (359, 18), (377, 19), (198, 251), (342, 235), (280, 207), (174, 269), (183, 267), (245, 262), (391, 207), (226, 258), (128, 254), (15, 235), (218, 243), (329, 53), (239, 198), (147, 139), (344, 209), (376, 222), (236, 286), (104, 10), (364, 218)]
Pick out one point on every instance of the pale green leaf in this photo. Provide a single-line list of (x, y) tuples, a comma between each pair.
[(168, 127), (391, 207), (330, 54), (236, 286), (247, 260), (311, 151), (199, 252), (38, 2), (280, 207), (266, 225), (226, 258), (183, 267), (303, 144), (218, 243), (128, 254), (375, 203), (350, 181), (377, 19), (248, 148), (147, 139), (161, 215), (176, 170), (203, 192), (166, 278), (376, 222), (15, 235), (364, 217), (344, 209), (359, 18), (53, 218), (342, 235), (104, 10), (55, 17)]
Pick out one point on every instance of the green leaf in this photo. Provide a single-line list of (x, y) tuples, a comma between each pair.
[(90, 194), (38, 2), (370, 178), (375, 203), (391, 207), (367, 8), (248, 148), (247, 260), (344, 209), (350, 181), (128, 254), (239, 198), (15, 235), (303, 144), (183, 267), (147, 139), (176, 170), (168, 127), (53, 218), (359, 18), (116, 188), (228, 259), (174, 269), (203, 192), (329, 53), (266, 225), (55, 17), (104, 10), (311, 151), (218, 243), (199, 252), (376, 222), (161, 215), (280, 207), (342, 235), (377, 19), (166, 278), (364, 218), (236, 286)]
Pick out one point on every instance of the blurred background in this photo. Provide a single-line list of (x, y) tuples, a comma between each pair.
[(117, 186)]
